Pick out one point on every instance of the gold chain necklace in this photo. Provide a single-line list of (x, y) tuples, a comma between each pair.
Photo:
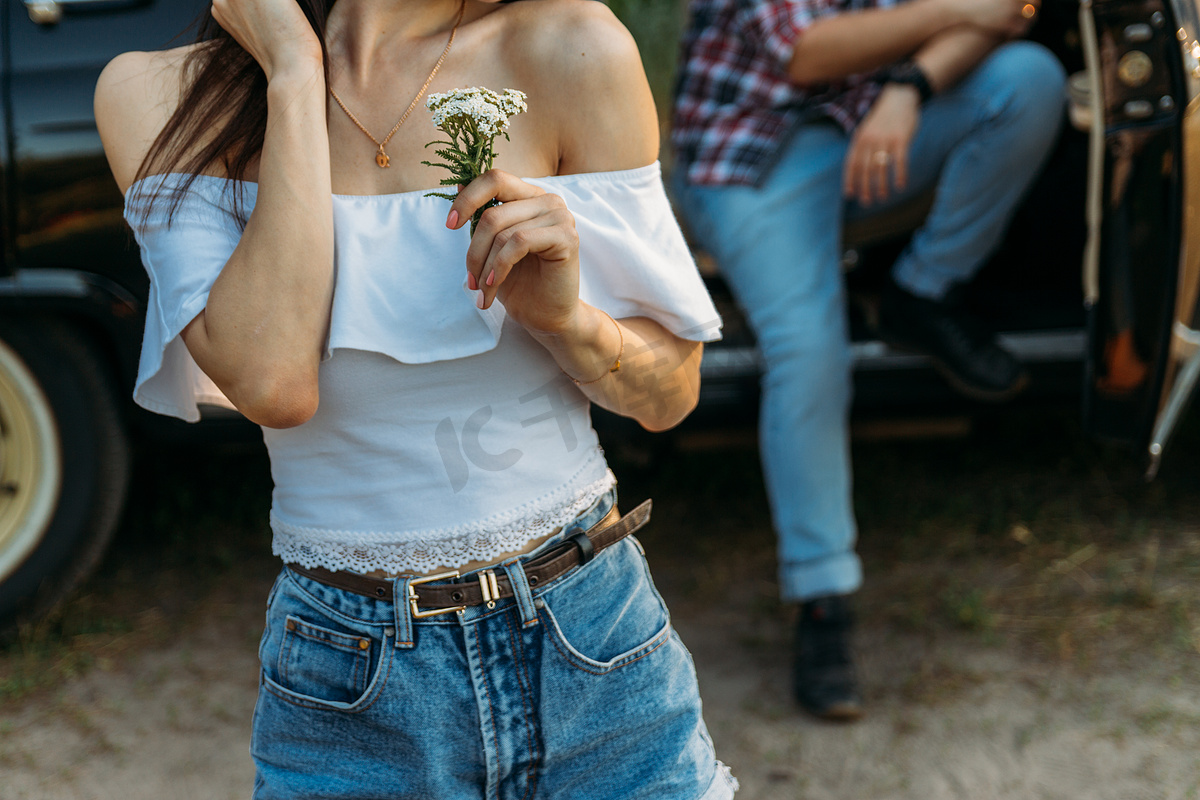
[(381, 158)]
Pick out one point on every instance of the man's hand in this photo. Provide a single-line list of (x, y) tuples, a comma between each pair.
[(877, 160), (1007, 18)]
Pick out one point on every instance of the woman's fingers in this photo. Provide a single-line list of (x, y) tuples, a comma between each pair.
[(498, 219), (549, 236), (516, 246), (492, 185), (527, 222), (500, 225), (275, 32)]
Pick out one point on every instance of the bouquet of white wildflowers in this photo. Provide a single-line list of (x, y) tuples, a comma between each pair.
[(472, 118)]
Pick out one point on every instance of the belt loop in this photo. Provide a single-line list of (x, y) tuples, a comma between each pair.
[(521, 593), (587, 550), (404, 623)]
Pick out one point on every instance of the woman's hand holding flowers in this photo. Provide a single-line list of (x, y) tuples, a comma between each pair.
[(525, 251)]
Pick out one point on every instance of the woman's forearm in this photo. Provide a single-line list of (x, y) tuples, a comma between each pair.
[(261, 333), (658, 381)]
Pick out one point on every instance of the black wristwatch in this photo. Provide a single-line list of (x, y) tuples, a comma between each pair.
[(909, 73)]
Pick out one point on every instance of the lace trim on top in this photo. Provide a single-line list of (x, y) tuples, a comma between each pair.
[(487, 540)]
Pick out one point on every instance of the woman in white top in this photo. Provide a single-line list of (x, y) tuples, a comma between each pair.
[(458, 614)]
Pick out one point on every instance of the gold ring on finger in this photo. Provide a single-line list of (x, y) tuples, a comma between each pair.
[(882, 157), (1029, 11)]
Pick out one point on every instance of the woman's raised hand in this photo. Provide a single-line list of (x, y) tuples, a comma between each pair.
[(275, 32), (524, 252)]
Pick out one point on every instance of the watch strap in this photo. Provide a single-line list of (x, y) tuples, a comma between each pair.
[(909, 73)]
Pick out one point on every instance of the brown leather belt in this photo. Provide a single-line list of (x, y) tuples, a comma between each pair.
[(577, 549)]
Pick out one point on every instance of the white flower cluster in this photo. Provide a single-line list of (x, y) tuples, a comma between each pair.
[(488, 110)]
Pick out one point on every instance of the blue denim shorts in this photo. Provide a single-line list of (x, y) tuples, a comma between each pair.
[(576, 689)]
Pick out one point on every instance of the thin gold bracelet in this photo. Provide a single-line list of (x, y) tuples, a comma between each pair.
[(616, 364)]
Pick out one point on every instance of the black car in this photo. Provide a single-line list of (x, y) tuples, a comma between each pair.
[(1117, 198)]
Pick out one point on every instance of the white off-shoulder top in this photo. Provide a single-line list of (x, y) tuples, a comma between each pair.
[(444, 433)]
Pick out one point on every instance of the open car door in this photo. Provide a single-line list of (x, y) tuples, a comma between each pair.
[(1142, 260)]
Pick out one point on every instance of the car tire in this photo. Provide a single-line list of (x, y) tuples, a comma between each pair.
[(64, 463)]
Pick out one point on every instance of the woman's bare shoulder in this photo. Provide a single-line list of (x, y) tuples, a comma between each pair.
[(135, 96), (576, 40), (567, 21), (582, 64)]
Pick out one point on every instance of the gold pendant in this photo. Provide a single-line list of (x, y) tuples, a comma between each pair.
[(381, 158)]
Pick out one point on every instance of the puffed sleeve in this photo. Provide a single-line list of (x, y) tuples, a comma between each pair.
[(183, 252), (633, 259)]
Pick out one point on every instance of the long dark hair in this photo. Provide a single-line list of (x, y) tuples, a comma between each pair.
[(224, 91)]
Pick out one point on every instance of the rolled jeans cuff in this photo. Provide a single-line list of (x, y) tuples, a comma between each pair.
[(808, 580)]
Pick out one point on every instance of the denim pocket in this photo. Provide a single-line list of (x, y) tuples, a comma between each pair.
[(321, 663), (318, 658), (608, 614)]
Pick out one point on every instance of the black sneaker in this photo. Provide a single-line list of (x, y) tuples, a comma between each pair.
[(823, 672), (965, 353)]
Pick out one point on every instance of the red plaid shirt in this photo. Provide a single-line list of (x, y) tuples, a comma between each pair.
[(734, 102)]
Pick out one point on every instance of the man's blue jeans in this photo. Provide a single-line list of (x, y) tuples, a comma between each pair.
[(779, 247)]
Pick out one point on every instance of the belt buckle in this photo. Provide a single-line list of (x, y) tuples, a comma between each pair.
[(433, 612)]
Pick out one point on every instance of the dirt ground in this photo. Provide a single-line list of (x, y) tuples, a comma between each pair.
[(1038, 639)]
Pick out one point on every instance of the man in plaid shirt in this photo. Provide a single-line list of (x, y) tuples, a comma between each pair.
[(792, 115)]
